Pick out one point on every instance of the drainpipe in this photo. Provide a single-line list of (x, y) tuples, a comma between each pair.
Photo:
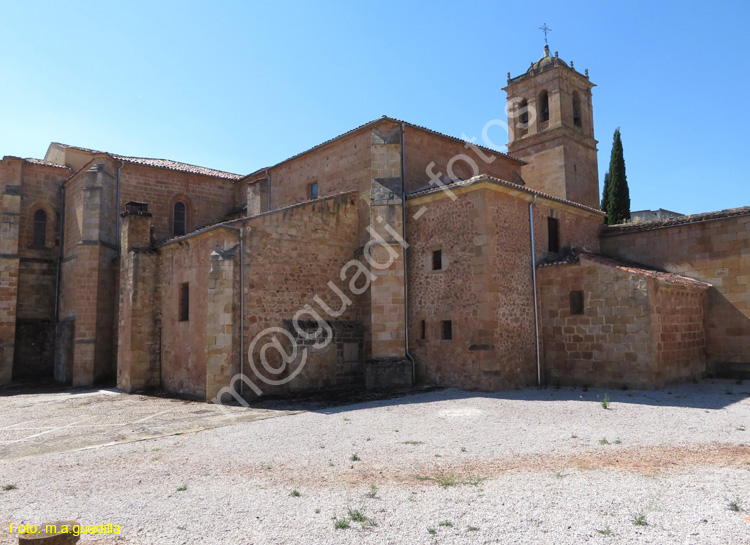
[(117, 216), (533, 282), (60, 254), (242, 304), (406, 268)]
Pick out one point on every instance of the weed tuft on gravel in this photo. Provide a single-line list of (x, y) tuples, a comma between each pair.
[(639, 519), (9, 487), (605, 401), (451, 479), (355, 457), (606, 532), (735, 505), (182, 488), (295, 493)]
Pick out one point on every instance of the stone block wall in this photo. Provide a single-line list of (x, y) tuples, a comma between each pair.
[(425, 147), (712, 249), (293, 257), (222, 320), (139, 316), (484, 286), (677, 319), (627, 335)]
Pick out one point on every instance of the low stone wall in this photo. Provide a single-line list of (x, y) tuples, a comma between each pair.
[(635, 329)]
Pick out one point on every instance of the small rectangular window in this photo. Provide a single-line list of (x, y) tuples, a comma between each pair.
[(184, 302), (576, 302), (423, 330), (437, 260), (313, 191), (553, 235), (447, 330)]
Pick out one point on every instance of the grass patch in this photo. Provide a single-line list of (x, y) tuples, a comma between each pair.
[(605, 401), (411, 443), (560, 475), (606, 532), (182, 488), (603, 441), (295, 493), (472, 529), (373, 491), (355, 457), (735, 505), (618, 442), (639, 519), (341, 524), (154, 459), (463, 449), (432, 531), (451, 479), (353, 515), (9, 487), (446, 523)]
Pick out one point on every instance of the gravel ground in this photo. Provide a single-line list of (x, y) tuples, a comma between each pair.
[(527, 466)]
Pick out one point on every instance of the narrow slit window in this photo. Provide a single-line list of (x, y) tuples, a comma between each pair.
[(184, 302), (447, 330), (40, 228), (423, 330), (179, 220), (544, 106), (553, 235), (313, 191), (576, 302), (576, 109), (437, 260)]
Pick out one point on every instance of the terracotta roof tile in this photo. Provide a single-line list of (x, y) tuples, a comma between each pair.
[(166, 164), (498, 181), (627, 266), (670, 222)]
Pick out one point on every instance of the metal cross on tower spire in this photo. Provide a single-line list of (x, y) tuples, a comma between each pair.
[(544, 28)]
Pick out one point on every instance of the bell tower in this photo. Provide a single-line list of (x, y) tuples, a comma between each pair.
[(551, 127)]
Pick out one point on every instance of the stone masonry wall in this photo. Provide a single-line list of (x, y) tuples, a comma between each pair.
[(484, 286), (423, 148), (678, 333), (635, 331), (207, 199), (715, 251), (611, 344), (291, 255)]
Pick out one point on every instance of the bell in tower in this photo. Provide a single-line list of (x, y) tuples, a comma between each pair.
[(551, 127)]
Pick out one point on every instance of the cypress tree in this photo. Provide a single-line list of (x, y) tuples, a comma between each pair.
[(605, 194), (617, 206)]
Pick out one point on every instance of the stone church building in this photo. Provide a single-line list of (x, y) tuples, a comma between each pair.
[(417, 256)]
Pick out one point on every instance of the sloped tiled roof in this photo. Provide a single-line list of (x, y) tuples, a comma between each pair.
[(166, 164), (574, 256), (485, 178), (34, 161), (670, 222)]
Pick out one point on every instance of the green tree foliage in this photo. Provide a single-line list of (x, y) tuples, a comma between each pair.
[(616, 199)]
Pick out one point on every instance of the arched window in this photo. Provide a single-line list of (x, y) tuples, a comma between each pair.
[(576, 110), (523, 119), (179, 219), (543, 106), (40, 228)]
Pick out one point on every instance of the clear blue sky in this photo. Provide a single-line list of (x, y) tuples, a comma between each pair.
[(242, 85)]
